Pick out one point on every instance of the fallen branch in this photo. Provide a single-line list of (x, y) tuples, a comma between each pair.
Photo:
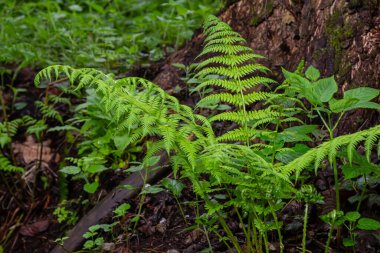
[(117, 196)]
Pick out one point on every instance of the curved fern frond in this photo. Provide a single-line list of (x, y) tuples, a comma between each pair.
[(331, 148)]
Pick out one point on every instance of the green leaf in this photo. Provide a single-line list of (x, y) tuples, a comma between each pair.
[(297, 133), (342, 105), (312, 73), (364, 94), (96, 168), (4, 139), (367, 105), (152, 161), (70, 170), (88, 244), (121, 141), (368, 224), (352, 216), (348, 242), (151, 189), (135, 168), (173, 185), (122, 210), (91, 187), (354, 171), (325, 88)]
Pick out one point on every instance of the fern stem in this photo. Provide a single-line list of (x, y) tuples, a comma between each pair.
[(304, 228), (362, 193), (181, 210), (277, 226), (6, 122), (329, 236)]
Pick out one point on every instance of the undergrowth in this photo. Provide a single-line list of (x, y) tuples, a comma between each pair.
[(277, 140)]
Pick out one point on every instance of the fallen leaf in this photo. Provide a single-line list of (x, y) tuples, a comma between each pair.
[(34, 228)]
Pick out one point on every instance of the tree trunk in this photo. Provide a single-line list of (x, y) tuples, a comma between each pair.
[(340, 37)]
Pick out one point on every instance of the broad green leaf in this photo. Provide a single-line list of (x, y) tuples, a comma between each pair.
[(368, 224), (297, 133), (367, 105), (342, 105), (151, 189), (312, 73), (352, 216), (363, 94), (91, 187), (70, 170), (152, 161), (354, 171), (173, 185), (96, 168), (348, 242), (325, 88), (121, 141)]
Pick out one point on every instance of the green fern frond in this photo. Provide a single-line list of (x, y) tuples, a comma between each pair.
[(236, 86), (235, 99), (7, 166), (240, 117), (330, 149)]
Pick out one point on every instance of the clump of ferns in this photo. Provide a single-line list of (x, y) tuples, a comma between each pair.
[(240, 167), (139, 109), (8, 130)]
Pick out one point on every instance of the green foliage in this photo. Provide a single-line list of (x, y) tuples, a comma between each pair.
[(330, 150), (230, 66), (248, 169), (65, 215), (102, 34)]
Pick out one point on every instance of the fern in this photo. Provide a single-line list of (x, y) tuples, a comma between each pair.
[(234, 64), (7, 166), (138, 108), (330, 149)]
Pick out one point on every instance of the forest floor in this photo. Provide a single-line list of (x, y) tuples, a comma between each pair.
[(29, 224)]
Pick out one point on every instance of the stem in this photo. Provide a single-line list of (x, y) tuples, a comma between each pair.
[(304, 228), (362, 193), (277, 227), (265, 236), (207, 238), (181, 210), (6, 122), (329, 237)]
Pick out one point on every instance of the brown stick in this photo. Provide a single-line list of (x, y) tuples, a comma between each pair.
[(111, 201)]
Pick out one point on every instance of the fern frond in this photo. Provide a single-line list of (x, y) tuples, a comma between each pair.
[(235, 99), (330, 149), (7, 166)]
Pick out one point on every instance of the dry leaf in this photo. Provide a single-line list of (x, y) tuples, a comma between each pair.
[(34, 228)]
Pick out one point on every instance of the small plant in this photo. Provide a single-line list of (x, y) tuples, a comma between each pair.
[(176, 187), (309, 195), (65, 215)]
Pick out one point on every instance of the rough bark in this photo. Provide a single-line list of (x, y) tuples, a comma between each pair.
[(340, 37)]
